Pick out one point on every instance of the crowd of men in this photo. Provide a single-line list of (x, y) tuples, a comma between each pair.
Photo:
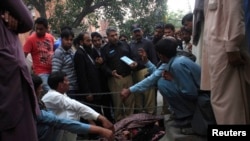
[(94, 69)]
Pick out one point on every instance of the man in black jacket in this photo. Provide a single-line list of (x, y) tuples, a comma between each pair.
[(119, 73), (107, 103), (86, 72)]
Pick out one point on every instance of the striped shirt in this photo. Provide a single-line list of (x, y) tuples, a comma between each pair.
[(63, 61)]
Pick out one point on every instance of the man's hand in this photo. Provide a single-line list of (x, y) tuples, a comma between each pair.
[(90, 98), (10, 21), (167, 75), (99, 60), (115, 74), (108, 134), (235, 59), (143, 55), (125, 93), (133, 65), (106, 123)]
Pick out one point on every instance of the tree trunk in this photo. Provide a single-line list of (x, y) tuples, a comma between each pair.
[(40, 7), (79, 19), (87, 9), (42, 12)]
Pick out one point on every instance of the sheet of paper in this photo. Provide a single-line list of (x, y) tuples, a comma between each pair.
[(126, 60)]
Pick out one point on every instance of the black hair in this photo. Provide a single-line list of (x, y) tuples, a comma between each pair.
[(159, 26), (67, 33), (37, 81), (169, 26), (188, 17), (79, 38), (96, 34), (42, 21), (65, 27), (55, 78), (166, 47), (123, 35)]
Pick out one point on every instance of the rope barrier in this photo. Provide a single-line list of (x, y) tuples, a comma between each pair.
[(86, 94), (107, 107), (117, 108), (102, 93)]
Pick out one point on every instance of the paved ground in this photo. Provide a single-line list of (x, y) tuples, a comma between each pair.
[(174, 134)]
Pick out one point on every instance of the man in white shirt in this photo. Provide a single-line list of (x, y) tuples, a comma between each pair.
[(65, 107)]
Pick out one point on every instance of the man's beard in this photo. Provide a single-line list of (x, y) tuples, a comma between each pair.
[(138, 37), (114, 42), (88, 48)]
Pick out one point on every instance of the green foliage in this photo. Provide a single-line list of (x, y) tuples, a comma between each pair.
[(175, 18), (120, 13), (148, 19), (160, 15), (73, 11), (65, 15)]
